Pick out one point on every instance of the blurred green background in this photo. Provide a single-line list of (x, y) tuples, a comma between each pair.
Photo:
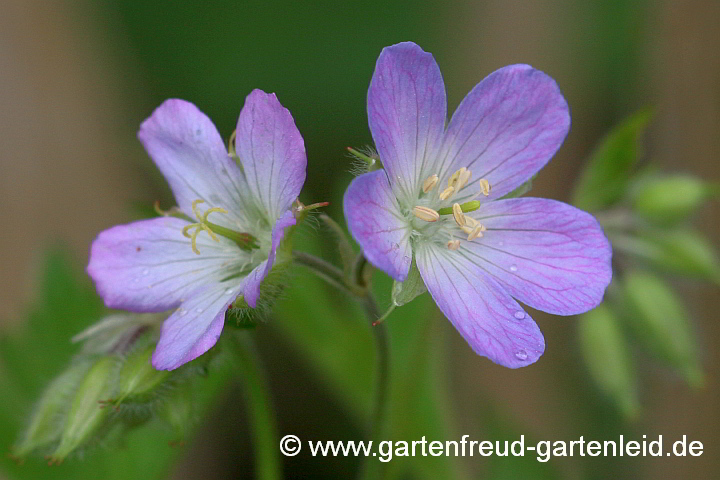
[(78, 77)]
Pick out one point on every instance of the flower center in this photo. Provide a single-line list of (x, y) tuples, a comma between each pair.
[(244, 240), (461, 222)]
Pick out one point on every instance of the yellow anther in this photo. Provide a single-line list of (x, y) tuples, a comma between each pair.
[(458, 215), (425, 213), (453, 244), (484, 186), (446, 193), (430, 183), (452, 181)]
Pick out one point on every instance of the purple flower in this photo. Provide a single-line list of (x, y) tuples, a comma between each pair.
[(223, 238), (424, 204)]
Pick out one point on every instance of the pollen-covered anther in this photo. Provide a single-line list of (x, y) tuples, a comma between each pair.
[(453, 244), (430, 183), (425, 213), (445, 194), (459, 179), (484, 186), (458, 214), (476, 232)]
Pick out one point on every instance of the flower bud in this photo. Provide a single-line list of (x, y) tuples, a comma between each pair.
[(666, 201), (137, 378), (87, 413), (46, 421), (661, 323), (607, 356)]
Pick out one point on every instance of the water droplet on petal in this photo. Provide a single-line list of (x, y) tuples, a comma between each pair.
[(146, 271), (182, 312), (513, 268), (519, 314), (501, 244), (228, 291), (198, 310), (521, 355)]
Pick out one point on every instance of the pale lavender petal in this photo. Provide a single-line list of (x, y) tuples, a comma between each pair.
[(149, 266), (547, 254), (487, 317), (377, 224), (506, 129), (272, 153), (407, 108), (196, 326), (190, 153), (256, 277)]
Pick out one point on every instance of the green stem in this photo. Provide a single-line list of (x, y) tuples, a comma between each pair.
[(329, 272), (268, 465), (358, 287)]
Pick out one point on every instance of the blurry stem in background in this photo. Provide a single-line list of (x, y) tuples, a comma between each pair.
[(357, 286), (268, 465)]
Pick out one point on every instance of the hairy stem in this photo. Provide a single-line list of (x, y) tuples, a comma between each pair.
[(268, 465)]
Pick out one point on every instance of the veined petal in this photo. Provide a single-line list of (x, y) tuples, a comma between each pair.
[(188, 150), (377, 224), (506, 129), (196, 326), (487, 317), (272, 153), (407, 108), (149, 266), (547, 254), (256, 277)]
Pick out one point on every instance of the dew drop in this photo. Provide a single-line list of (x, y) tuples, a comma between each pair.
[(513, 268), (146, 271), (198, 310), (521, 355), (519, 314), (182, 312), (501, 244), (228, 291)]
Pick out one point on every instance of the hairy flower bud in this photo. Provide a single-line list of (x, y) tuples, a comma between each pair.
[(87, 413), (137, 378), (46, 422)]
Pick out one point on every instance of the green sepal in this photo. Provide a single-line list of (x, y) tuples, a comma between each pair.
[(661, 323), (521, 190), (607, 173), (412, 287), (607, 355)]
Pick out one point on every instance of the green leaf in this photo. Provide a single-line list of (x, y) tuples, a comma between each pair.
[(607, 356), (607, 173), (661, 323), (682, 251)]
